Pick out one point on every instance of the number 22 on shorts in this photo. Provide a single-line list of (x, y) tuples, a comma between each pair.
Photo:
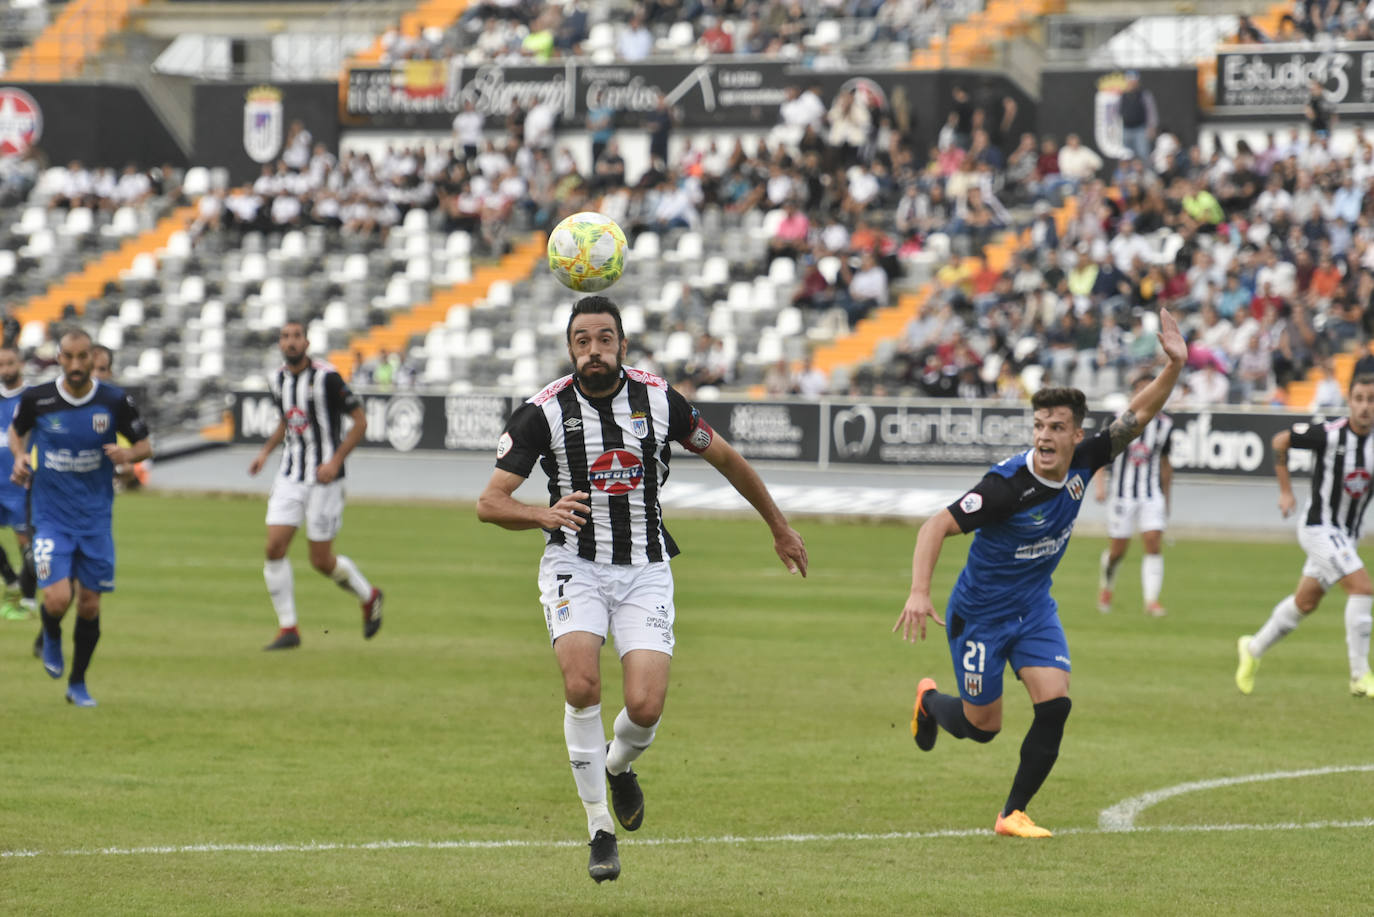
[(43, 549)]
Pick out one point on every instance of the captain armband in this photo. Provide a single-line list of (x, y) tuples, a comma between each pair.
[(701, 435)]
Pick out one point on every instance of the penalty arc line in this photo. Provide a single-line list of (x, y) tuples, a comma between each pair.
[(1122, 816), (729, 839)]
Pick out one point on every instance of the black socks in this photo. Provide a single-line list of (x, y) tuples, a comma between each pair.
[(949, 713), (1038, 751), (84, 637)]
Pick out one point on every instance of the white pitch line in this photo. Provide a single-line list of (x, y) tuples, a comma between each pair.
[(1122, 816), (729, 839)]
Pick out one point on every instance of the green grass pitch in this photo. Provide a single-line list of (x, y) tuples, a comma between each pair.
[(786, 732)]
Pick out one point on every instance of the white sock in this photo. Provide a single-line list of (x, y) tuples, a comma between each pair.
[(347, 574), (1357, 626), (1106, 571), (586, 739), (281, 587), (1151, 576), (1282, 622), (631, 740)]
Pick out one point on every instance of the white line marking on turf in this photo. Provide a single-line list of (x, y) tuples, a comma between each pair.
[(730, 839), (1122, 816)]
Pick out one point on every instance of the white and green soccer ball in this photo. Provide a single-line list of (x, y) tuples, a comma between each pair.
[(587, 252)]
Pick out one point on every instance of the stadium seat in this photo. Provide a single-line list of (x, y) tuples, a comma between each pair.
[(336, 316), (196, 182), (499, 295), (123, 223), (632, 318), (41, 244), (689, 247), (458, 317), (790, 322), (8, 261), (212, 364), (416, 222), (646, 245), (111, 334), (715, 272), (677, 348), (144, 268), (79, 222), (32, 220), (131, 313), (782, 271), (293, 246), (32, 335), (720, 321), (829, 266), (253, 267), (397, 292), (273, 290), (150, 362), (212, 314), (479, 342), (458, 244)]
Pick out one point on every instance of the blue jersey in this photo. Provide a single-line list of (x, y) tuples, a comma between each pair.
[(1023, 524), (11, 494), (73, 479)]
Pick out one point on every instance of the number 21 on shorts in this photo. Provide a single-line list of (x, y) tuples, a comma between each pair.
[(975, 657)]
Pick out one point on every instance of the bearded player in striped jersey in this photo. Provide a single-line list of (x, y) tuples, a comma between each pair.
[(313, 401), (603, 435), (1343, 460)]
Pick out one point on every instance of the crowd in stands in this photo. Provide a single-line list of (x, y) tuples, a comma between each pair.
[(523, 31), (1312, 20)]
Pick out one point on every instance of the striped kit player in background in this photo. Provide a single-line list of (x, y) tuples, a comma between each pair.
[(603, 436), (1139, 480), (1343, 459)]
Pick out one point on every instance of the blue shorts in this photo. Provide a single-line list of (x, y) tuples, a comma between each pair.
[(14, 513), (982, 649), (59, 556)]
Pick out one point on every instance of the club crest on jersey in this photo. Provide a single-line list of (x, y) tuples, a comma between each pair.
[(639, 424), (296, 420), (1075, 487), (973, 683), (616, 472), (100, 422), (1138, 453), (1357, 482)]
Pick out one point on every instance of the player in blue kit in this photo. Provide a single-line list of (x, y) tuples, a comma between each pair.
[(1001, 610), (14, 500), (72, 424)]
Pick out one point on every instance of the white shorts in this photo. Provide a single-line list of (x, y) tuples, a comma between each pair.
[(1125, 517), (634, 604), (319, 506), (1331, 556)]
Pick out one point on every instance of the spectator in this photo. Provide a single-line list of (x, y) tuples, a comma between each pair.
[(635, 43), (1139, 117), (1078, 163)]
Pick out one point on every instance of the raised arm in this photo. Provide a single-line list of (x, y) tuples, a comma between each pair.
[(742, 476), (918, 605), (1150, 399), (1281, 442)]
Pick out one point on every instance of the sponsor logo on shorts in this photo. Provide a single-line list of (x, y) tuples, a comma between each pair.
[(1075, 487), (657, 623), (503, 445), (973, 683), (639, 424), (971, 503), (616, 472)]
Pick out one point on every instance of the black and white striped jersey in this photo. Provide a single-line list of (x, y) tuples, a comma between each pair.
[(1135, 472), (313, 403), (616, 449), (1342, 463)]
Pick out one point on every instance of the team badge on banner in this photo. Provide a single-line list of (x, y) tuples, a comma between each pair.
[(262, 123), (1108, 129)]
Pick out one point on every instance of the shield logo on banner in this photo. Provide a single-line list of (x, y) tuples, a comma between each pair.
[(1108, 131), (21, 122), (262, 123)]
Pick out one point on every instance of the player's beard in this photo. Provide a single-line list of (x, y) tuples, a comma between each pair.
[(76, 379), (11, 382), (597, 378), (295, 361)]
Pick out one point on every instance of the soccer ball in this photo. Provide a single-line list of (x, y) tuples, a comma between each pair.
[(587, 252)]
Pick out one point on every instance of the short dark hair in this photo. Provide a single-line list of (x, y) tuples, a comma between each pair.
[(75, 331), (596, 305), (1361, 379), (293, 321), (1070, 398), (101, 348)]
